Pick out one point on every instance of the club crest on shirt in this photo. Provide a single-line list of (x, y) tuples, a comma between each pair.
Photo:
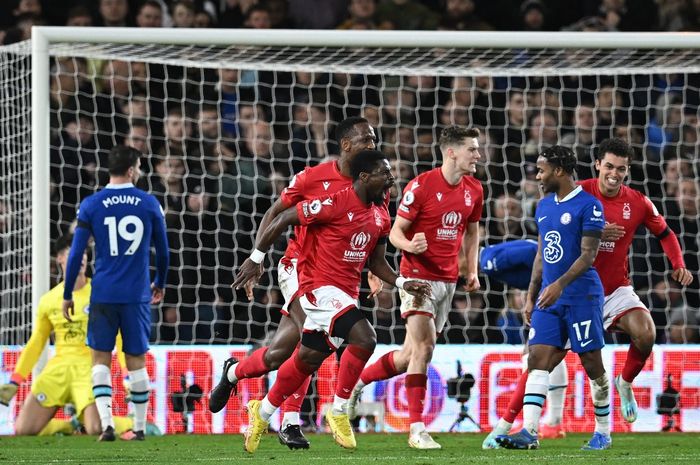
[(565, 218), (315, 207), (467, 198), (378, 219), (626, 211)]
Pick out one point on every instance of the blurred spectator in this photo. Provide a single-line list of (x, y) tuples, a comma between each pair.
[(534, 16), (139, 138), (203, 20), (235, 13), (150, 14), (674, 170), (581, 140), (542, 131), (258, 17), (665, 124), (620, 15), (79, 16), (310, 141), (279, 14), (228, 100), (114, 13), (183, 13), (25, 21), (361, 12), (407, 15), (312, 14), (458, 15), (177, 130), (208, 127), (507, 221)]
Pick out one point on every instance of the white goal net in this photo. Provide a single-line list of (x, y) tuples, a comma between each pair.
[(223, 128)]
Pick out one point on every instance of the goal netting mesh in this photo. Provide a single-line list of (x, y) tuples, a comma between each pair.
[(223, 129)]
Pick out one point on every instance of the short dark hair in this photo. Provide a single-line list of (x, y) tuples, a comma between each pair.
[(616, 146), (121, 158), (365, 161), (454, 135), (151, 3), (346, 128), (62, 243), (560, 157)]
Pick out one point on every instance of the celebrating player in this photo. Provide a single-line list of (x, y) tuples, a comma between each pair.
[(438, 217), (123, 220), (66, 377), (565, 298), (344, 231), (353, 135), (622, 309)]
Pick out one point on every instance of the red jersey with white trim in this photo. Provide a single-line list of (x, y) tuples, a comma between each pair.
[(341, 233), (629, 209), (311, 183), (440, 211)]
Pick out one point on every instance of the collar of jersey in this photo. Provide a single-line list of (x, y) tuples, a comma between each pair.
[(571, 195), (119, 186)]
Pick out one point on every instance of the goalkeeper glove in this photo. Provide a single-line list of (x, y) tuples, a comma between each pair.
[(7, 392)]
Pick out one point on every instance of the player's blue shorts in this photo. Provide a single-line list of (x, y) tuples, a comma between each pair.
[(133, 320), (581, 324)]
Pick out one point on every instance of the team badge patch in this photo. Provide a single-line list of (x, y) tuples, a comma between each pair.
[(565, 218), (315, 207), (408, 198)]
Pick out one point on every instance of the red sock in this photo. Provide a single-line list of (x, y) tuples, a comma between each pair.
[(290, 376), (633, 364), (383, 368), (253, 366), (516, 399), (415, 391), (351, 364), (293, 402)]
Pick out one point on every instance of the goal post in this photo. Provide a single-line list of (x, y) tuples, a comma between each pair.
[(518, 59)]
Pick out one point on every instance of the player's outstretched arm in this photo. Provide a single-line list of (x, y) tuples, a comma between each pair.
[(381, 268), (75, 259), (416, 245), (470, 254), (589, 249), (251, 266)]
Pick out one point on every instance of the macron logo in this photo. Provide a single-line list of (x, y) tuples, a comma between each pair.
[(326, 185), (597, 212), (439, 196), (350, 215), (539, 220)]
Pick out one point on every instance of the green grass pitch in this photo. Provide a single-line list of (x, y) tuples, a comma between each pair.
[(646, 449)]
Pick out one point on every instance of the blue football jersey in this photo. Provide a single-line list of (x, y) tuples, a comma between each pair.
[(509, 262), (561, 225), (124, 221)]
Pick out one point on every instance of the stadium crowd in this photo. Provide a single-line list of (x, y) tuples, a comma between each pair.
[(219, 145)]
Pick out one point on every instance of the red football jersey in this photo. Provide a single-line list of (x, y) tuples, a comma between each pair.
[(630, 209), (311, 183), (341, 233), (441, 212)]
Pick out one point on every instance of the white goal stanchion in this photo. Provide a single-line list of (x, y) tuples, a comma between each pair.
[(225, 117)]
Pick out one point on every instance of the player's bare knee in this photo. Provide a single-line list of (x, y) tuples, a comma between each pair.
[(424, 352), (276, 355), (93, 428), (645, 342)]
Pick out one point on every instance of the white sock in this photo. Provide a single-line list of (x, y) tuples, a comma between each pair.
[(600, 392), (290, 418), (102, 391), (267, 409), (558, 381), (140, 390), (502, 427), (340, 406), (416, 428), (231, 373), (535, 395)]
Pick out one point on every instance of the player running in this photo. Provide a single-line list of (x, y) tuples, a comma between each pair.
[(123, 221), (344, 231), (565, 298), (66, 377), (437, 220), (622, 309), (353, 135)]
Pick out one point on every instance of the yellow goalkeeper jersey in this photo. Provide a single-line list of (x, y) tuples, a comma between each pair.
[(70, 337)]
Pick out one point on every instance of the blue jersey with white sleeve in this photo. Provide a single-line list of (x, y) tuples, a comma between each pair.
[(562, 224), (124, 222)]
